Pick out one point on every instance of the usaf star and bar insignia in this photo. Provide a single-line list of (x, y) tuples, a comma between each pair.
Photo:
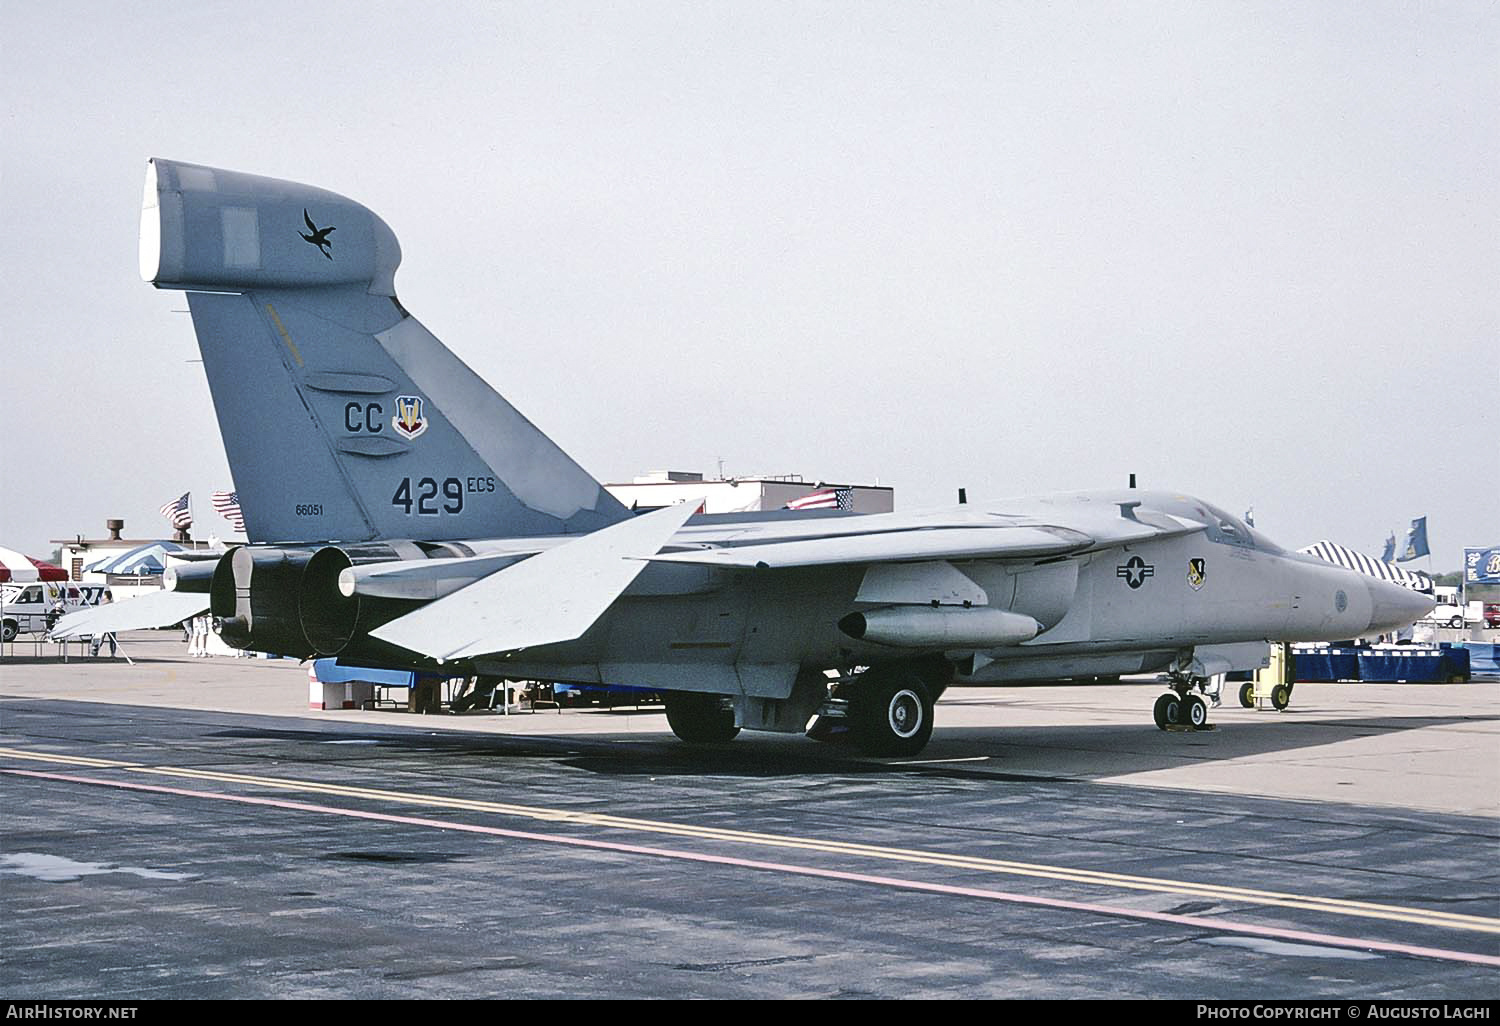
[(1135, 571)]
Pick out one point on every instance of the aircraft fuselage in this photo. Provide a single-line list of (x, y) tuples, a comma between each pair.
[(1124, 609)]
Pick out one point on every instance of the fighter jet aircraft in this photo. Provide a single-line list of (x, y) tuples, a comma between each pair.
[(402, 514)]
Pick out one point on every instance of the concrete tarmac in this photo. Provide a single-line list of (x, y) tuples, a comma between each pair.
[(188, 828)]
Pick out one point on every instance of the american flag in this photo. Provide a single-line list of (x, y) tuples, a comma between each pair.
[(179, 512), (827, 498), (227, 505)]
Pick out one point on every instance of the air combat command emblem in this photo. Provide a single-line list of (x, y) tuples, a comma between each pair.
[(408, 420)]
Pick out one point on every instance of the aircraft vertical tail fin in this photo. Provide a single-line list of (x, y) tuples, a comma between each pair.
[(343, 418)]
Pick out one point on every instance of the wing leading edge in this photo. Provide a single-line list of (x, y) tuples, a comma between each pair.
[(1036, 540)]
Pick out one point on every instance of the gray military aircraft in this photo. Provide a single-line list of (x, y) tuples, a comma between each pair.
[(402, 514)]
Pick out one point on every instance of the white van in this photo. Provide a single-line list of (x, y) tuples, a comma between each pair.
[(24, 607), (1449, 613)]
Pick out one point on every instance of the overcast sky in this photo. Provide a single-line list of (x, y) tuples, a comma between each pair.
[(1246, 251)]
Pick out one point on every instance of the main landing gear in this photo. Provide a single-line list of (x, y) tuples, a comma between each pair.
[(1185, 704), (885, 710), (890, 712)]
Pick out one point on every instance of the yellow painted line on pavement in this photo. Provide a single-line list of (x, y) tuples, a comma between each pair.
[(67, 760)]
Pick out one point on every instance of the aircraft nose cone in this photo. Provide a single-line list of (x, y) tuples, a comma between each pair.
[(1393, 607)]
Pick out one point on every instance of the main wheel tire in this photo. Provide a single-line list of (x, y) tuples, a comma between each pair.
[(700, 719), (1281, 697), (1168, 711), (1194, 711), (1247, 694), (891, 715)]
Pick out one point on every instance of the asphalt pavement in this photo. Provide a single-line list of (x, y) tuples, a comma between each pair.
[(189, 828)]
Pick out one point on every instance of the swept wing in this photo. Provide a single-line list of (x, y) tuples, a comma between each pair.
[(554, 596)]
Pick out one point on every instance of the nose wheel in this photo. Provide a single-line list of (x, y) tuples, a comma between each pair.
[(1168, 711), (1183, 707)]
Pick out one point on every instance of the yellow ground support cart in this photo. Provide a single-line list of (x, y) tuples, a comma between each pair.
[(1273, 683)]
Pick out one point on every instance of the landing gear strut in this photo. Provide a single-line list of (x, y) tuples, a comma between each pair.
[(1185, 703)]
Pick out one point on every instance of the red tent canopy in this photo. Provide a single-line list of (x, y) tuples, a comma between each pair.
[(16, 567)]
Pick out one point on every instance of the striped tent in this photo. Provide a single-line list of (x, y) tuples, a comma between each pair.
[(15, 566), (1329, 552), (142, 561)]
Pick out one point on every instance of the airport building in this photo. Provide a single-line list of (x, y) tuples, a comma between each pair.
[(126, 565)]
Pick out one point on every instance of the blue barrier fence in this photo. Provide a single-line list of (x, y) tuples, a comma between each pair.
[(1383, 664), (1484, 656)]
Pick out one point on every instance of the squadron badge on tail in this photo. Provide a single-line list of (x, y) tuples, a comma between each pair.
[(319, 236)]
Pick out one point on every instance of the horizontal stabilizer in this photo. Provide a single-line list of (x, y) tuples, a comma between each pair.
[(159, 609), (552, 597)]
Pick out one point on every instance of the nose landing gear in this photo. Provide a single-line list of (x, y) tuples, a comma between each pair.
[(1185, 705)]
